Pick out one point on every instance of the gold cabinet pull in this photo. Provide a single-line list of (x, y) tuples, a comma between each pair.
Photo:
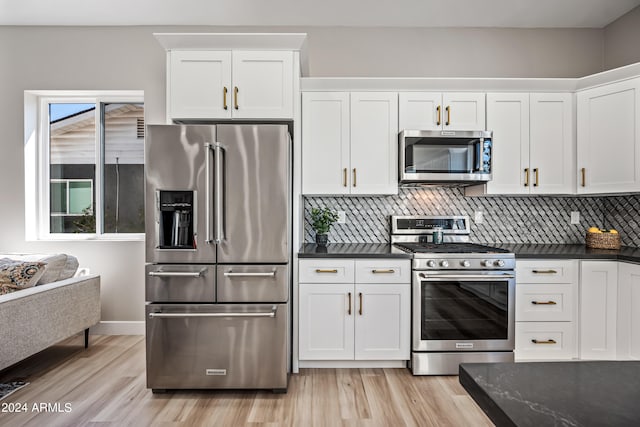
[(360, 309), (319, 270), (383, 271), (543, 302), (224, 97), (349, 310), (438, 117), (583, 172), (344, 177), (448, 116), (526, 177), (235, 97), (354, 177), (544, 271), (549, 341), (535, 172)]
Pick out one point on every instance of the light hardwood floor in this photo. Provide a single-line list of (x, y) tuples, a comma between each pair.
[(105, 386)]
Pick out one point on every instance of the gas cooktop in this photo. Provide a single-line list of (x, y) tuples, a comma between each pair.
[(449, 248)]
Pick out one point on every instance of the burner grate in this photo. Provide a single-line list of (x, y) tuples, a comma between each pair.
[(450, 248)]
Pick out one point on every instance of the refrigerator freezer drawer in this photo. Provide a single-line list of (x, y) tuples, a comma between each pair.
[(180, 283), (253, 283), (202, 346)]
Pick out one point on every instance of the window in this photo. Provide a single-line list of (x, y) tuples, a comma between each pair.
[(89, 172)]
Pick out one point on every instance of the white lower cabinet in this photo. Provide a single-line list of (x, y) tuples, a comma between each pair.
[(598, 309), (365, 318), (628, 334), (546, 293)]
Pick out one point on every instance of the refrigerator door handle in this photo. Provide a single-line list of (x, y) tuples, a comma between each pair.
[(219, 194), (249, 274), (177, 273), (271, 314), (208, 196)]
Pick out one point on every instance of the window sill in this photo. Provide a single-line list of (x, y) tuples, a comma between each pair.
[(129, 237)]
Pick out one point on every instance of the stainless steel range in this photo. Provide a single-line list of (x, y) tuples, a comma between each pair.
[(463, 295)]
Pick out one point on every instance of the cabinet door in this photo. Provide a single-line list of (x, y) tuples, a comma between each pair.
[(374, 143), (196, 84), (545, 341), (628, 311), (325, 143), (420, 110), (264, 84), (609, 138), (326, 321), (508, 118), (463, 111), (552, 143), (382, 321), (598, 309)]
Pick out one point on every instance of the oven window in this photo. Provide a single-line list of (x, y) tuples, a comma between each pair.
[(464, 310)]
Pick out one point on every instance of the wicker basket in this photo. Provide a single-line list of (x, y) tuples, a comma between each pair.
[(603, 240)]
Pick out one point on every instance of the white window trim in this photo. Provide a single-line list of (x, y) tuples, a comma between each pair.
[(37, 176)]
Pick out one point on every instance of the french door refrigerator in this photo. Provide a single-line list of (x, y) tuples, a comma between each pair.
[(218, 232)]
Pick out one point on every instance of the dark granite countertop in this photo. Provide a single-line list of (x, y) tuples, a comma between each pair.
[(522, 251), (352, 250), (579, 251), (556, 393)]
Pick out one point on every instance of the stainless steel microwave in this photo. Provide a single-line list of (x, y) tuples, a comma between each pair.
[(444, 156)]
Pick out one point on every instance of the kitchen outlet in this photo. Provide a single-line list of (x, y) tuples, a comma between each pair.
[(342, 217), (478, 217), (575, 217)]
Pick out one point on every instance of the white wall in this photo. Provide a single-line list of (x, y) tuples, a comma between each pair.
[(117, 58)]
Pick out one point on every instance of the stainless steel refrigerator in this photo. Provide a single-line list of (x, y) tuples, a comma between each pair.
[(218, 233)]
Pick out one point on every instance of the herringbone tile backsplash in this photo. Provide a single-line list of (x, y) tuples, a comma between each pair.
[(506, 219)]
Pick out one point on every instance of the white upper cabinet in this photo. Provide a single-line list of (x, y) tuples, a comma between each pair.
[(551, 148), (374, 143), (441, 111), (533, 143), (508, 118), (325, 142), (197, 83), (230, 84), (609, 138), (349, 143)]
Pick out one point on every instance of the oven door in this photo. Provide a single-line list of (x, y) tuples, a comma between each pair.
[(463, 310)]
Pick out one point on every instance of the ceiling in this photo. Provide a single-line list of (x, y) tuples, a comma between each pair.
[(370, 13)]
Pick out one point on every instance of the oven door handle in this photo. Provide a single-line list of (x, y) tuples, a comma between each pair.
[(477, 277)]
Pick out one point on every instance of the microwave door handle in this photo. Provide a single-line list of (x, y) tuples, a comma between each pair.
[(478, 155)]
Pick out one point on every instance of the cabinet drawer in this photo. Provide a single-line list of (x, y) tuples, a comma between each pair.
[(546, 271), (326, 271), (383, 271), (545, 340), (544, 303)]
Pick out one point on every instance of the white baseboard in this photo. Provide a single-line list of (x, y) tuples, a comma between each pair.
[(352, 364), (118, 328)]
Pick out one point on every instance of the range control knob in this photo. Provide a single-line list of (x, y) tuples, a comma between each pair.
[(444, 263), (486, 263), (465, 263), (431, 263), (499, 263)]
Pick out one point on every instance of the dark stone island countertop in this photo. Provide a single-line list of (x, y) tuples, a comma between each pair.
[(580, 393), (352, 250)]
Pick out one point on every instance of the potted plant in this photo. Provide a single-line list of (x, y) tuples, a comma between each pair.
[(321, 221)]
